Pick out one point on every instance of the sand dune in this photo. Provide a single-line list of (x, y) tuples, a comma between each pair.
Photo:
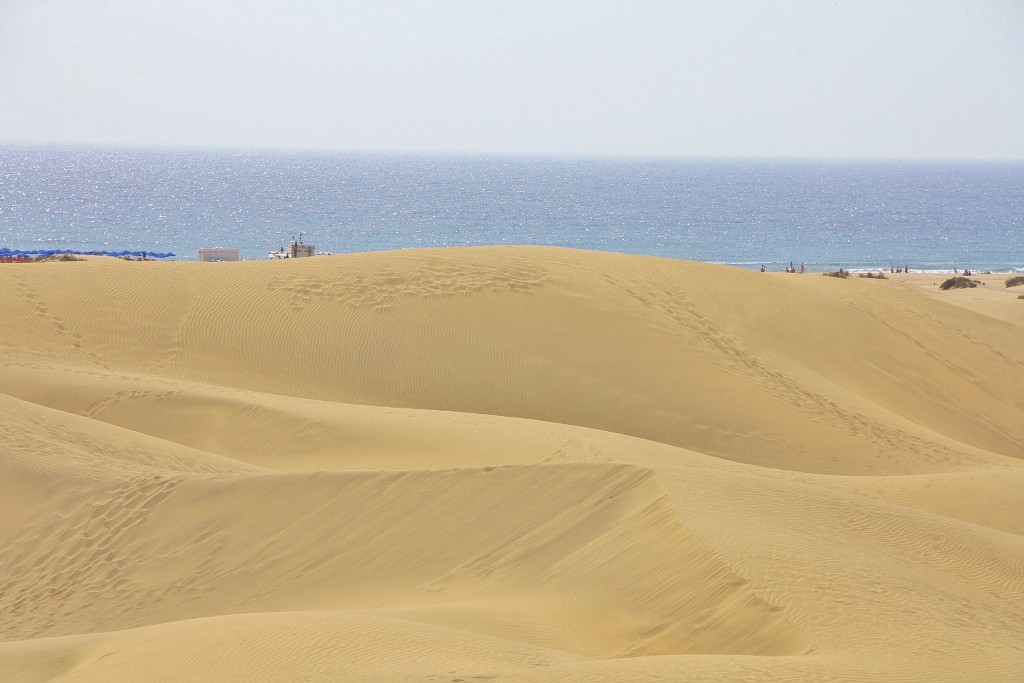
[(509, 463)]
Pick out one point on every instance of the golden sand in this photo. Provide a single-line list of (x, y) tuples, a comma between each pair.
[(510, 463)]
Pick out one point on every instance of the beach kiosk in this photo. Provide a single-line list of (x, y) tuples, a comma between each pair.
[(296, 249), (299, 249)]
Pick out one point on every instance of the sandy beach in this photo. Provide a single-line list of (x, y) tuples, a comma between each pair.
[(507, 463)]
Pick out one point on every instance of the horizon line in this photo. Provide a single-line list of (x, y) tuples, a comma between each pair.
[(491, 154)]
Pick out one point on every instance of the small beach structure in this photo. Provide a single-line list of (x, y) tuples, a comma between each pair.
[(297, 249), (219, 254)]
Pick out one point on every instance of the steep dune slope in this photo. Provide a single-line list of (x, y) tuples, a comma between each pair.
[(600, 536), (519, 464)]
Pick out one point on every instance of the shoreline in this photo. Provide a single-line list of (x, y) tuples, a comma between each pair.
[(929, 269), (867, 266)]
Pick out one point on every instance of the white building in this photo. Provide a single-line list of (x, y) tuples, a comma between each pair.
[(219, 254)]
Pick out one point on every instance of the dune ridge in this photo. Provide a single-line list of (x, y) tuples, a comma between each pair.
[(505, 463)]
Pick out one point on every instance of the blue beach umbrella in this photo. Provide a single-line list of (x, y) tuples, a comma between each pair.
[(7, 251)]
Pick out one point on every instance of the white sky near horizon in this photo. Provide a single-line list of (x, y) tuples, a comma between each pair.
[(728, 78)]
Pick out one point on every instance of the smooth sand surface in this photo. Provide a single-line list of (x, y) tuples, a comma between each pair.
[(507, 463)]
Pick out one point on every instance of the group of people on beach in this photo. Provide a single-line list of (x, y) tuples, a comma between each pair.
[(790, 269), (892, 269)]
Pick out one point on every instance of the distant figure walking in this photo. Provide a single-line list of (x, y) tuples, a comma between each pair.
[(801, 267), (762, 267)]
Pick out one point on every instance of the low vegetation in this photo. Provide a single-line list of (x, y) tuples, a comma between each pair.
[(874, 276), (1014, 281), (958, 283), (58, 257), (838, 273)]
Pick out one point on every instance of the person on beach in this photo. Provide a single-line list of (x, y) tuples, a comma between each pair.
[(762, 267), (801, 267)]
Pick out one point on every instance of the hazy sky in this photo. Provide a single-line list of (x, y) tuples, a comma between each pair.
[(717, 78)]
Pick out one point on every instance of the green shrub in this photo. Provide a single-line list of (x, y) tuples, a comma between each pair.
[(1014, 281), (958, 283), (60, 257)]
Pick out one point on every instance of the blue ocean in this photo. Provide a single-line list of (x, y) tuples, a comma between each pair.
[(932, 216)]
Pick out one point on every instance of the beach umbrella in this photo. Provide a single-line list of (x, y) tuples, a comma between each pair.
[(7, 251)]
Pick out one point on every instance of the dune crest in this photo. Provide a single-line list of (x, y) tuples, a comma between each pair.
[(513, 463)]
